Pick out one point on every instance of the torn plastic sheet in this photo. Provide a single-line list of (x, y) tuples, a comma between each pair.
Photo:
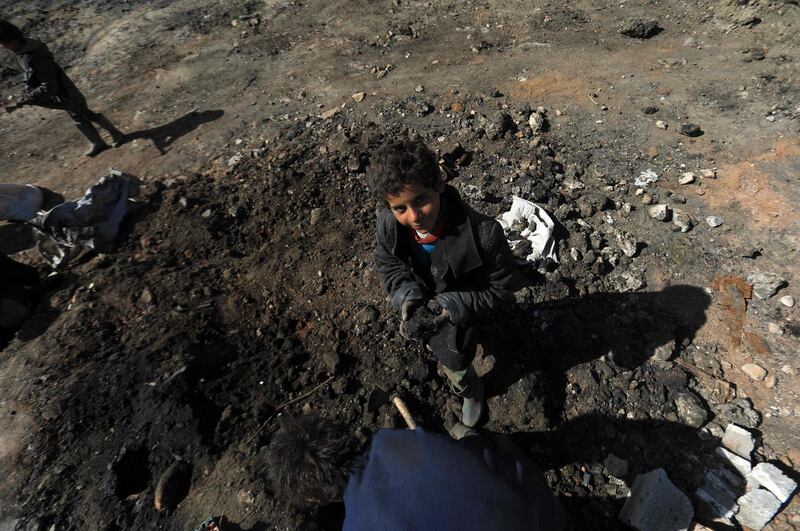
[(19, 202), (534, 225), (645, 178), (91, 222)]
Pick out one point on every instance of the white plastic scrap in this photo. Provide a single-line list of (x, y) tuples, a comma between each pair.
[(645, 178), (539, 229)]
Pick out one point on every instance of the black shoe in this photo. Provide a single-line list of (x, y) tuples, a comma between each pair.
[(95, 149)]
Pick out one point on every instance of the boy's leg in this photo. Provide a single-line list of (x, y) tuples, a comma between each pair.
[(84, 125), (117, 136), (455, 347)]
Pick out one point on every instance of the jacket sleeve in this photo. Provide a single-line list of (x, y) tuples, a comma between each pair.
[(395, 276), (501, 272), (43, 85)]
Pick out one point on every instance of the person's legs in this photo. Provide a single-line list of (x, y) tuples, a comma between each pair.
[(117, 136), (455, 347), (82, 119)]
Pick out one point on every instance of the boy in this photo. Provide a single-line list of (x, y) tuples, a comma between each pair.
[(442, 263), (410, 479), (48, 86)]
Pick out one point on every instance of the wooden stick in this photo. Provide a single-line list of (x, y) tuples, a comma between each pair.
[(287, 404), (401, 407)]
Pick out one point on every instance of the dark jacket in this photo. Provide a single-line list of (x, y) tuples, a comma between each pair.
[(472, 266), (411, 480), (46, 83)]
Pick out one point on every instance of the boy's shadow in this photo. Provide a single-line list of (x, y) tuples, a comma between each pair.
[(552, 337), (164, 135)]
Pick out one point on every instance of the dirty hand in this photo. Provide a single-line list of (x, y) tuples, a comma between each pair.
[(424, 321), (407, 310), (441, 313)]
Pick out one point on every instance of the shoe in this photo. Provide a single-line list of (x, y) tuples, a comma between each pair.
[(118, 140), (95, 149)]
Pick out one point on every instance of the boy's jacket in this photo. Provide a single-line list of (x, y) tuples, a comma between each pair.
[(47, 84), (472, 266)]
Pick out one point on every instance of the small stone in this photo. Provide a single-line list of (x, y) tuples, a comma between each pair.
[(616, 467), (661, 124), (739, 464), (765, 285), (686, 178), (647, 199), (690, 409), (173, 486), (235, 160), (206, 214), (690, 129), (770, 381), (788, 301), (771, 478), (419, 89), (655, 504), (536, 122), (682, 220), (330, 113), (756, 372), (756, 508), (739, 411), (774, 328), (359, 96), (640, 28), (659, 212), (315, 216), (708, 174), (739, 441), (332, 360), (714, 221), (146, 296), (650, 109)]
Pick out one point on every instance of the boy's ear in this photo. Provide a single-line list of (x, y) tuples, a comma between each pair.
[(441, 184)]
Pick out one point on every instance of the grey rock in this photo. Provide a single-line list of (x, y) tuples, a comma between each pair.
[(665, 351), (690, 409), (739, 441), (771, 478), (627, 244), (717, 494), (369, 314), (765, 285), (536, 122), (788, 301), (315, 216), (714, 221), (332, 360), (655, 504), (659, 212), (739, 464), (173, 486), (640, 29), (235, 160), (616, 467), (690, 129), (739, 411), (682, 220), (756, 508)]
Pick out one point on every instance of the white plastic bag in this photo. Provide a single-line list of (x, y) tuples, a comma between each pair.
[(538, 231), (19, 202)]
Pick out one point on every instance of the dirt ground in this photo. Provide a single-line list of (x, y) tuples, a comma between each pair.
[(242, 278)]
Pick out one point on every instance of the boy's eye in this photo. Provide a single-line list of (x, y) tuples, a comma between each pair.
[(399, 209), (420, 200)]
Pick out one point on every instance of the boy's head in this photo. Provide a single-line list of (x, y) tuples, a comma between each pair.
[(308, 461), (407, 177), (10, 36)]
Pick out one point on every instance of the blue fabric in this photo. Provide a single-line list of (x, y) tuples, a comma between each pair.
[(414, 480)]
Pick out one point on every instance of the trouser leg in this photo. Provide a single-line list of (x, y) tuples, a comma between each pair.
[(83, 123), (116, 135), (455, 348)]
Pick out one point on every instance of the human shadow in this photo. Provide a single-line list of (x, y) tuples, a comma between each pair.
[(579, 447), (164, 135), (625, 329)]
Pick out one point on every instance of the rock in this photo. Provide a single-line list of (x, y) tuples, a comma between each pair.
[(765, 285), (330, 113), (774, 328), (771, 478), (655, 504), (369, 314), (682, 220), (770, 381), (739, 411), (650, 109), (146, 297), (536, 122), (665, 351), (739, 441), (206, 213), (690, 129), (647, 199), (173, 486), (788, 301), (315, 216), (659, 212), (756, 372), (332, 360), (717, 494), (627, 244), (645, 178), (714, 221), (740, 464), (690, 409), (640, 28), (686, 178), (377, 398), (359, 96), (708, 174), (235, 160), (616, 467), (756, 508), (661, 124), (419, 89)]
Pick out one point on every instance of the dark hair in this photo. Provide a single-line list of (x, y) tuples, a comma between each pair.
[(400, 163), (308, 461), (9, 32)]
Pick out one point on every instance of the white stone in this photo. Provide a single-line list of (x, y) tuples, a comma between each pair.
[(661, 124), (655, 504), (708, 174), (765, 285), (686, 178), (682, 220), (739, 464), (788, 301), (714, 221), (659, 212), (739, 441), (771, 478), (756, 372), (717, 494), (536, 122), (756, 508)]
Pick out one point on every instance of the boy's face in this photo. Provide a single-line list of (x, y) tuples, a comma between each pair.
[(417, 206)]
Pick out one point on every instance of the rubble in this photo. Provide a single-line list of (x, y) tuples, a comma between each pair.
[(756, 372), (659, 212), (690, 409), (765, 285), (771, 478), (690, 129), (739, 464), (640, 28), (718, 494), (756, 508), (655, 504), (739, 441), (686, 178), (681, 220), (714, 221), (645, 178)]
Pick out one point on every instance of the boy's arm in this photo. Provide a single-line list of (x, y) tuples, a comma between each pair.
[(48, 87), (394, 275), (462, 306)]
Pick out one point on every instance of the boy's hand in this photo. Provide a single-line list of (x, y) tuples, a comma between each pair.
[(407, 310), (423, 321)]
